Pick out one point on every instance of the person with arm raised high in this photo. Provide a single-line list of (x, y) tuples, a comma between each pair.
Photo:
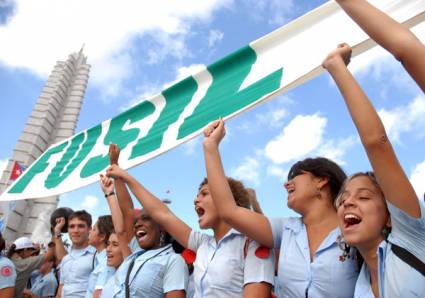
[(217, 269), (379, 213), (391, 35), (309, 263)]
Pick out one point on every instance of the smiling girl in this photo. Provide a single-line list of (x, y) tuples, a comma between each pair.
[(381, 216), (227, 264)]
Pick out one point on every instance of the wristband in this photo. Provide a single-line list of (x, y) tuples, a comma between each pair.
[(109, 194), (58, 236)]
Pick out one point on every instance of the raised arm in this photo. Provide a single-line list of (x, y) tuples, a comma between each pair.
[(124, 198), (107, 186), (57, 239), (391, 35), (154, 206), (256, 226), (391, 177)]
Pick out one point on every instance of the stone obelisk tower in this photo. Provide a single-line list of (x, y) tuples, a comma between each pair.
[(53, 119)]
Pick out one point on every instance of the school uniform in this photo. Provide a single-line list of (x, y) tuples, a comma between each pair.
[(108, 288), (395, 277), (222, 269), (298, 276), (97, 278), (75, 270), (44, 286), (154, 273), (7, 273)]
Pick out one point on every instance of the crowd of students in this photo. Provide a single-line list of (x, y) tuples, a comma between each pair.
[(357, 236)]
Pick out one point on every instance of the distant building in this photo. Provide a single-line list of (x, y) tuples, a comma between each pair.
[(54, 118)]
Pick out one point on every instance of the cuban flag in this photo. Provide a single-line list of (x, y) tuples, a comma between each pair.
[(17, 171)]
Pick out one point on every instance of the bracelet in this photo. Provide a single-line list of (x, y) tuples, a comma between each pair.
[(58, 236), (109, 194)]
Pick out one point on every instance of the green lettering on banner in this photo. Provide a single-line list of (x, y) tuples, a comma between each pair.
[(177, 97), (223, 98), (118, 136), (39, 166), (55, 178)]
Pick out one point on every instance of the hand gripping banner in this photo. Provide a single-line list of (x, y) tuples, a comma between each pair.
[(268, 66)]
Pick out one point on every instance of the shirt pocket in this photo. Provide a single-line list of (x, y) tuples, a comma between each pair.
[(226, 274), (149, 280)]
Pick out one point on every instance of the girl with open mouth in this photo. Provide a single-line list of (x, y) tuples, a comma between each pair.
[(380, 214), (227, 264), (154, 270)]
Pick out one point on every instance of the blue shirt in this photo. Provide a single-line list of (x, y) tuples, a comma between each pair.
[(155, 272), (44, 286), (222, 269), (97, 278), (108, 288), (7, 273), (75, 270), (395, 277), (325, 276)]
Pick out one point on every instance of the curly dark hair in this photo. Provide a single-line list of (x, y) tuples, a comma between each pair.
[(240, 194)]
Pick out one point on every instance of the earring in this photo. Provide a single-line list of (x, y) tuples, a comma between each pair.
[(344, 247), (162, 240), (318, 193), (385, 232)]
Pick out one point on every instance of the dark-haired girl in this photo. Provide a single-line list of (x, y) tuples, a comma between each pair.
[(98, 238), (154, 270), (382, 217), (309, 263), (226, 264)]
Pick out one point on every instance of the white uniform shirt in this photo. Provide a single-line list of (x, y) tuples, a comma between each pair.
[(222, 269)]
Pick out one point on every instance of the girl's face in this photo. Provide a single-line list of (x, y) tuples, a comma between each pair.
[(95, 237), (147, 231), (362, 213), (205, 208), (301, 190), (113, 252)]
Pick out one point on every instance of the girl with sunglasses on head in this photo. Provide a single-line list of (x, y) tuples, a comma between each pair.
[(309, 263)]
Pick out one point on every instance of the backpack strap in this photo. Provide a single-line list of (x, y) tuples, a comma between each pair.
[(408, 258)]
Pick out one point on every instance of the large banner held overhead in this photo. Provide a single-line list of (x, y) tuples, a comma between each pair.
[(269, 66)]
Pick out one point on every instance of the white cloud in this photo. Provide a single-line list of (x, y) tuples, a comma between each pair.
[(418, 179), (335, 149), (276, 112), (248, 171), (214, 37), (404, 119), (276, 171), (150, 89), (41, 32), (191, 146), (90, 202), (276, 11), (300, 137)]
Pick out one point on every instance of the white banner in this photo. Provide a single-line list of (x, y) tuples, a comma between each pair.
[(271, 65)]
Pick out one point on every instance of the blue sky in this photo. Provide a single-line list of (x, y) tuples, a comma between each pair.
[(137, 48)]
